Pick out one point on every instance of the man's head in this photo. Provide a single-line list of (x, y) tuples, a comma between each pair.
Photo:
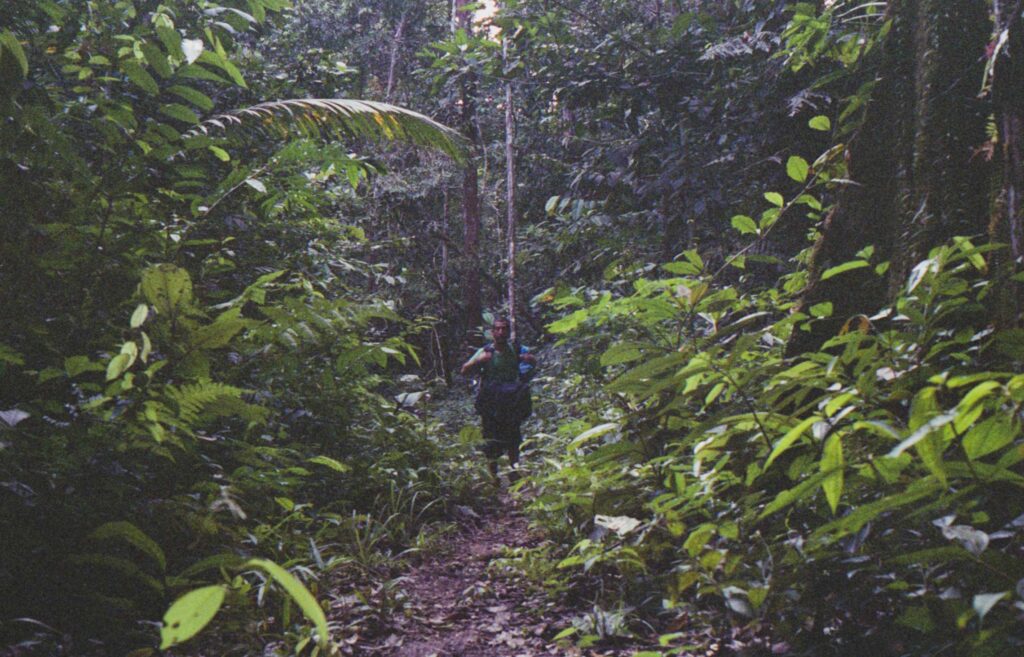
[(500, 330)]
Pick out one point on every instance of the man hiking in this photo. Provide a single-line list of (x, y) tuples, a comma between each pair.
[(503, 400)]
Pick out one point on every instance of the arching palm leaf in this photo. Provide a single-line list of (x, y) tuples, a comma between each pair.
[(359, 119)]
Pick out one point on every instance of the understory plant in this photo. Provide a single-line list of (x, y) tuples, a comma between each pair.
[(864, 496)]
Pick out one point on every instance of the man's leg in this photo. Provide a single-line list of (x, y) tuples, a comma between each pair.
[(492, 442), (514, 437)]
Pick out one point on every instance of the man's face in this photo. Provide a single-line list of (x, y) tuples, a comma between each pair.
[(500, 331)]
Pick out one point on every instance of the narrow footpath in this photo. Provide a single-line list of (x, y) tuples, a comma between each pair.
[(458, 605)]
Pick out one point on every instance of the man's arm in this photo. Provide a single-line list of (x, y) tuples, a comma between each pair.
[(478, 359)]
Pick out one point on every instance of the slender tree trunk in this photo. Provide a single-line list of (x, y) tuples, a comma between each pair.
[(396, 44), (445, 343), (470, 186), (510, 190)]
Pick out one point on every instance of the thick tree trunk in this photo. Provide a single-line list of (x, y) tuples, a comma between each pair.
[(1008, 97), (916, 180)]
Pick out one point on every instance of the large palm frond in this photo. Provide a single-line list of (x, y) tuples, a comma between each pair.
[(358, 119)]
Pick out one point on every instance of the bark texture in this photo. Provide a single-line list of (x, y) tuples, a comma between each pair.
[(1007, 51), (470, 186), (510, 192), (917, 178)]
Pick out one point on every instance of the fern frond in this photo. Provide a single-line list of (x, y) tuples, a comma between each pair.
[(354, 119), (198, 401)]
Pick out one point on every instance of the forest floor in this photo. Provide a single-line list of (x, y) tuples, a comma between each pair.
[(457, 604)]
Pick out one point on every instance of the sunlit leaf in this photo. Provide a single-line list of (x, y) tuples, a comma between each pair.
[(797, 168), (744, 224), (832, 464), (820, 123), (189, 614), (299, 593)]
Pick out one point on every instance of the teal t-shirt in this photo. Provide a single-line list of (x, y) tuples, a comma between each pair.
[(503, 366)]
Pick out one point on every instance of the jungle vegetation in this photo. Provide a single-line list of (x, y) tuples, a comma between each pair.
[(771, 252)]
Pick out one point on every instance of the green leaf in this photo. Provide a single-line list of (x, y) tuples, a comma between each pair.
[(846, 266), (972, 253), (794, 494), (791, 437), (680, 268), (820, 122), (698, 538), (10, 43), (223, 329), (333, 464), (75, 365), (832, 464), (131, 534), (744, 224), (157, 59), (917, 618), (220, 153), (167, 288), (194, 96), (823, 309), (9, 355), (139, 316), (169, 36), (199, 73), (298, 592), (215, 59), (774, 198), (564, 634), (989, 436), (622, 352), (189, 614), (117, 366), (140, 77), (593, 432), (797, 168), (179, 112)]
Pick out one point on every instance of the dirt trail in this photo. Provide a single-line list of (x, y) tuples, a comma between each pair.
[(457, 607)]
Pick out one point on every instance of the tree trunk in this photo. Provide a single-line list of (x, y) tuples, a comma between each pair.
[(396, 43), (916, 182), (470, 187), (510, 191), (1008, 98)]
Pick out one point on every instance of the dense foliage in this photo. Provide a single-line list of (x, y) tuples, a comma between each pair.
[(774, 248)]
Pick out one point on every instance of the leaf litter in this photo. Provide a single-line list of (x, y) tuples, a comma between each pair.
[(454, 605)]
